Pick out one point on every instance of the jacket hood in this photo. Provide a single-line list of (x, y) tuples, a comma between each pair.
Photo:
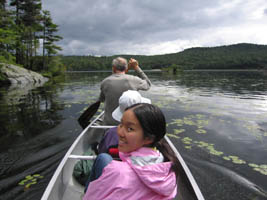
[(153, 172)]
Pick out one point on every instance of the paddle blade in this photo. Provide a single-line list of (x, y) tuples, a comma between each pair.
[(84, 119)]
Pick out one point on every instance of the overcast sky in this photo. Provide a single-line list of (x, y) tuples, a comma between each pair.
[(152, 27)]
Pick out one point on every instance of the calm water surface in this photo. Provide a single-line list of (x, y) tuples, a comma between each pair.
[(217, 120)]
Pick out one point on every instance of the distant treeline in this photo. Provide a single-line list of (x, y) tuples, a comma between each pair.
[(238, 56)]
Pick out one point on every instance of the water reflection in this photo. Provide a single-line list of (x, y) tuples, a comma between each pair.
[(219, 121), (216, 120), (233, 83), (28, 112)]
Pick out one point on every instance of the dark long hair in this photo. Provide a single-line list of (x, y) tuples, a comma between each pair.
[(153, 123)]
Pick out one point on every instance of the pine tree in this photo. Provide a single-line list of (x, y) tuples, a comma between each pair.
[(7, 34), (28, 18), (19, 30), (31, 19), (49, 37)]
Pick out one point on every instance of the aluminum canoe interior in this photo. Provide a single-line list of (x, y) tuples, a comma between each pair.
[(63, 186)]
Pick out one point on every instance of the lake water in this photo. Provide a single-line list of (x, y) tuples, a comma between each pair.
[(217, 121)]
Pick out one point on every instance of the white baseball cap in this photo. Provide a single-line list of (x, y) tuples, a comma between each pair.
[(127, 99)]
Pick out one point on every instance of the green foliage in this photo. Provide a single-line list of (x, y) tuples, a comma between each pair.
[(2, 77), (21, 29), (174, 68), (55, 66), (49, 37), (7, 35), (47, 74), (87, 63), (239, 56), (6, 57)]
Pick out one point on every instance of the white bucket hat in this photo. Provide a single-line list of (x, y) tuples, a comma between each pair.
[(127, 99)]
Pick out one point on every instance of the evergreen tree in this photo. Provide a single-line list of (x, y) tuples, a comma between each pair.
[(7, 34), (49, 37), (28, 17), (17, 4), (31, 19), (22, 25), (2, 4)]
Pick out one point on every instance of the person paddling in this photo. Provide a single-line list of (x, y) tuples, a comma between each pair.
[(114, 85)]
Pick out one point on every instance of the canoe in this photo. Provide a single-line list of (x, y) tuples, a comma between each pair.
[(63, 186)]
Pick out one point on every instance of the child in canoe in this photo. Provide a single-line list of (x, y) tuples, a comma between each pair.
[(146, 170), (109, 143)]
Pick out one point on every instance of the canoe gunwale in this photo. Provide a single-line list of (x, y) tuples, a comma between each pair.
[(186, 174), (50, 185), (186, 170)]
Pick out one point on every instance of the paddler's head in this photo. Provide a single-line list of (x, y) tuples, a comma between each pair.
[(119, 65)]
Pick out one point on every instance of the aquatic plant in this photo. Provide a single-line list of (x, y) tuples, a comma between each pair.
[(200, 121), (187, 140), (234, 159), (201, 131), (166, 103), (172, 135), (30, 180), (259, 168), (178, 131)]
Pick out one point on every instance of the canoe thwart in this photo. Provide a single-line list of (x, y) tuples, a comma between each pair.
[(82, 157)]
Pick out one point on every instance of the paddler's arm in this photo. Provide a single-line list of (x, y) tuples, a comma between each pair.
[(145, 84), (101, 97)]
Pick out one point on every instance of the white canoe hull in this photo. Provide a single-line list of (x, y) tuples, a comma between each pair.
[(63, 185)]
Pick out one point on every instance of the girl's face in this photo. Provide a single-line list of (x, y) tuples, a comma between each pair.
[(130, 132)]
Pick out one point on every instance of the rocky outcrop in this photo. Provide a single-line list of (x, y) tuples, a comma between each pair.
[(18, 76)]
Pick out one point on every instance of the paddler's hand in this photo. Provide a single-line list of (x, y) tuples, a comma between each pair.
[(133, 64)]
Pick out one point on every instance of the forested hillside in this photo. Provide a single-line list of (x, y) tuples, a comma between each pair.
[(238, 56)]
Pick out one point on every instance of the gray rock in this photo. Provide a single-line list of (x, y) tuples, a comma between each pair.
[(20, 77)]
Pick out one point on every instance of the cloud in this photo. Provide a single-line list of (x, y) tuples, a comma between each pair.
[(154, 27)]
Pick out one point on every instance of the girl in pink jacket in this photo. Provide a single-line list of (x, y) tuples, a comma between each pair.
[(144, 171)]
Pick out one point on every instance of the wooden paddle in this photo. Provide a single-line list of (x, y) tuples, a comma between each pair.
[(85, 118)]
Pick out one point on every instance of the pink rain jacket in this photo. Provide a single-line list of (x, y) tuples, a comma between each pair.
[(141, 175)]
